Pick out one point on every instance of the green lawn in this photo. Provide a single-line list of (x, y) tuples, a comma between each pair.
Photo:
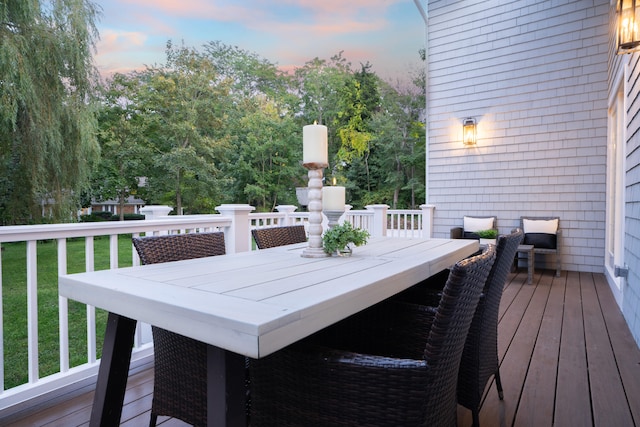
[(14, 293)]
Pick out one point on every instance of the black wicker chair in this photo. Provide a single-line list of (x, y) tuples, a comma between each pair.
[(180, 363), (382, 367), (480, 356), (278, 236)]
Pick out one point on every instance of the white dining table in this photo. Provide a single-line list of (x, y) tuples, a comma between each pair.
[(248, 304)]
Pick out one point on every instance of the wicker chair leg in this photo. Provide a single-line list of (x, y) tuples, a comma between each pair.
[(499, 384), (154, 420), (476, 418)]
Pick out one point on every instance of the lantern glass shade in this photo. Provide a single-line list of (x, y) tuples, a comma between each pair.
[(628, 30), (469, 131)]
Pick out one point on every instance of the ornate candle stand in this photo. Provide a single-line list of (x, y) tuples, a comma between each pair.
[(315, 250), (333, 217)]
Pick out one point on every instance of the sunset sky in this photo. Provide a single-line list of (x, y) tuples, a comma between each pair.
[(386, 33)]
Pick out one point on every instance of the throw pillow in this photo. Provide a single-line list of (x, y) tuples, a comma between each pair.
[(541, 233)]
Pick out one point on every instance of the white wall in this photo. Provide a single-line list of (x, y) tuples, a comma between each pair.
[(534, 76)]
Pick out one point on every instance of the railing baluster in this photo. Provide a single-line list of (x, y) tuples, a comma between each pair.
[(63, 309), (1, 329), (113, 251), (91, 310), (32, 309)]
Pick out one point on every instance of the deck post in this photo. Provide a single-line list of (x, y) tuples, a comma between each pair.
[(427, 220), (287, 210), (379, 226), (237, 238)]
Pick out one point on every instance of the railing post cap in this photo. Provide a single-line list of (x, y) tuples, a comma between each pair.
[(235, 208), (286, 208), (155, 211)]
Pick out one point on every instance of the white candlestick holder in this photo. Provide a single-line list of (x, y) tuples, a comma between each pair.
[(315, 249), (333, 217)]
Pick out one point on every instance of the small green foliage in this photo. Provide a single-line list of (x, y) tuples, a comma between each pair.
[(342, 235), (487, 234)]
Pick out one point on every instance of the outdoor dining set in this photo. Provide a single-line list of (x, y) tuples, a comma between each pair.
[(400, 333)]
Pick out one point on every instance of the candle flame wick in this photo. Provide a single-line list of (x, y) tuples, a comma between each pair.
[(315, 122)]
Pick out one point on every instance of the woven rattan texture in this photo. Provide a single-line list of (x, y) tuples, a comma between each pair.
[(177, 247), (480, 356), (180, 363), (395, 364), (279, 236)]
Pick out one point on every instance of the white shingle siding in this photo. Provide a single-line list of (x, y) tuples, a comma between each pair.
[(631, 300), (534, 75)]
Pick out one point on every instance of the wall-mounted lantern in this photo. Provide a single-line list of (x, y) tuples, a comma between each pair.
[(628, 17), (469, 131)]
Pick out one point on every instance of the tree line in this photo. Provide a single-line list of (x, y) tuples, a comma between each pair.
[(217, 124)]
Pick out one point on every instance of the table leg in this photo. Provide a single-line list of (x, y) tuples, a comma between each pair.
[(531, 265), (226, 390), (113, 371)]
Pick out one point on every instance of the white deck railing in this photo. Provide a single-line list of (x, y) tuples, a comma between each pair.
[(235, 221)]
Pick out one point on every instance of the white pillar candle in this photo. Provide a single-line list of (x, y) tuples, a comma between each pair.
[(314, 144), (333, 198)]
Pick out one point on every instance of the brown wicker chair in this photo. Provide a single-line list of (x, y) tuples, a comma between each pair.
[(480, 356), (384, 366), (180, 363), (279, 236), (544, 243)]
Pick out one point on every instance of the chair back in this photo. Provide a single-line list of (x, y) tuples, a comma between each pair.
[(278, 236), (448, 333), (541, 231), (480, 355), (178, 247), (180, 363), (471, 225)]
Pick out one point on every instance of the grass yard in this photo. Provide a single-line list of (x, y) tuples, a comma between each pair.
[(14, 300)]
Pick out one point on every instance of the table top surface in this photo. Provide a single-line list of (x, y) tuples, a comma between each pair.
[(255, 303)]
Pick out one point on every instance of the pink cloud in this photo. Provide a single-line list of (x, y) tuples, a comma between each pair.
[(290, 32), (113, 41), (335, 16), (341, 7), (203, 9)]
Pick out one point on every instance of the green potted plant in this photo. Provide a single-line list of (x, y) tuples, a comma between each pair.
[(337, 239), (487, 236)]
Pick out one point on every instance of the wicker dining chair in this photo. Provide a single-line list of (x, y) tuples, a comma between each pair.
[(480, 356), (381, 367), (278, 236), (180, 363)]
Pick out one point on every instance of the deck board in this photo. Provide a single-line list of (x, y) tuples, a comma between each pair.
[(538, 394), (530, 303), (567, 359), (608, 399), (628, 362), (572, 395)]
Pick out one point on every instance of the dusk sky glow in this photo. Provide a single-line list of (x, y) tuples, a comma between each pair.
[(386, 33)]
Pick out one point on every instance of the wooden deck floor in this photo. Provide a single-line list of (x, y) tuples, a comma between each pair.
[(567, 359)]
